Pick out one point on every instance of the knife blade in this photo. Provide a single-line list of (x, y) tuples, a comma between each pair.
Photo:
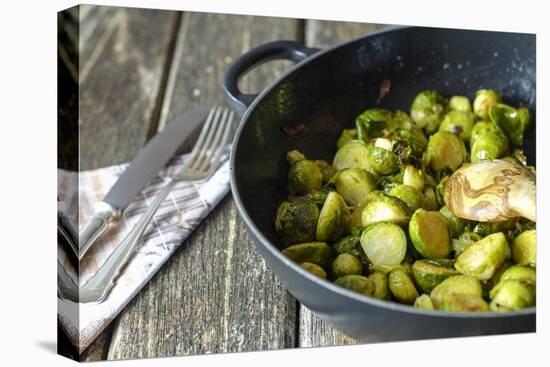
[(149, 161)]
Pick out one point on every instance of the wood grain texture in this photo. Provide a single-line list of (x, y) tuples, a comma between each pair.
[(313, 331), (121, 72), (215, 294)]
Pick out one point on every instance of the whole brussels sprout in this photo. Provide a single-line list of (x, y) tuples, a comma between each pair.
[(348, 245), (445, 151), (459, 123), (460, 103), (304, 175), (513, 122), (381, 285), (524, 248), (428, 274), (483, 127), (411, 196), (456, 224), (372, 123), (402, 287), (512, 294), (346, 264), (482, 258), (427, 110), (385, 209), (346, 136), (357, 283), (381, 157), (296, 220), (464, 302), (384, 244), (312, 252), (327, 170), (463, 284), (424, 302), (314, 269), (413, 177), (464, 241), (354, 184), (353, 154), (488, 146), (334, 218), (485, 98), (430, 234)]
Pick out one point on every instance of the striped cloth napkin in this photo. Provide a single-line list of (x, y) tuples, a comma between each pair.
[(180, 213)]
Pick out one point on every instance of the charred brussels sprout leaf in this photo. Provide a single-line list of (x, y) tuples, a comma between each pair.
[(334, 218), (296, 220), (312, 252)]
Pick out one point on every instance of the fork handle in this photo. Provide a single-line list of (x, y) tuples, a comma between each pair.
[(98, 286)]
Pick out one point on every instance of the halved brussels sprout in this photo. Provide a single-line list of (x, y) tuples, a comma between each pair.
[(520, 272), (512, 294), (304, 175), (346, 264), (430, 234), (346, 136), (498, 273), (524, 248), (402, 287), (353, 154), (445, 151), (381, 157), (431, 199), (357, 283), (356, 215), (483, 257), (348, 245), (459, 123), (488, 146), (513, 122), (427, 109), (372, 123), (464, 241), (385, 209), (485, 98), (334, 219), (293, 156), (456, 224), (384, 244), (327, 170), (413, 177), (463, 284), (312, 252), (314, 269), (381, 285), (354, 184), (411, 196), (424, 302), (428, 274), (460, 103), (464, 302), (296, 220)]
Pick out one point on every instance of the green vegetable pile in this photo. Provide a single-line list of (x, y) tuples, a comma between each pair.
[(375, 222)]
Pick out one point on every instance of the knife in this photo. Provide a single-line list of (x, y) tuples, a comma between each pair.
[(149, 161)]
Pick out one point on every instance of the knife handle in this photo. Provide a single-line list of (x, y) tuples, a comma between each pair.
[(95, 226)]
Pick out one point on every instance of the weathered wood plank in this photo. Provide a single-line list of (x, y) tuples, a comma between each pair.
[(121, 69), (215, 294), (313, 331)]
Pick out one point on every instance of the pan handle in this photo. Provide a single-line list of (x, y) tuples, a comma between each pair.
[(288, 50)]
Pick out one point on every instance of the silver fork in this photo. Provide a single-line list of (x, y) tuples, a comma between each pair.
[(202, 163)]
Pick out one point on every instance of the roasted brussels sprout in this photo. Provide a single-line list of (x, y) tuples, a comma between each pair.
[(424, 301), (463, 284), (356, 216), (372, 123), (413, 177), (488, 146), (464, 302), (304, 175), (427, 110), (456, 224), (385, 209), (348, 245), (440, 191), (384, 244), (524, 248), (513, 122), (459, 123), (334, 218), (312, 252), (431, 199), (353, 154), (296, 220), (483, 258), (293, 156), (460, 103), (357, 283), (318, 196), (402, 287), (354, 184), (498, 273), (520, 272), (445, 151), (346, 136), (430, 234), (512, 294), (381, 285), (314, 269), (346, 264), (381, 157), (411, 196), (485, 98), (464, 241), (483, 127), (428, 274), (327, 170)]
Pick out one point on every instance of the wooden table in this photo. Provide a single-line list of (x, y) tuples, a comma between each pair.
[(139, 69)]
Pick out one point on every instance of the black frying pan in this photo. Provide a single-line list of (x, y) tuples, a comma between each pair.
[(307, 108)]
